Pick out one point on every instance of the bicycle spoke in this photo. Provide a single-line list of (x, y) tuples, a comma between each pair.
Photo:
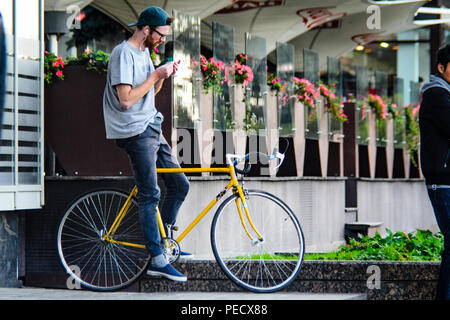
[(103, 265), (254, 264)]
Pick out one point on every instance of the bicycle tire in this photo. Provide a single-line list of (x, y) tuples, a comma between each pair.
[(95, 263), (262, 267)]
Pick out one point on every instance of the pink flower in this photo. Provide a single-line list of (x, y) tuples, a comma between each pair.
[(59, 74), (415, 110)]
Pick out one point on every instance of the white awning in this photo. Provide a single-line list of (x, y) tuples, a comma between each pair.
[(127, 11), (329, 27)]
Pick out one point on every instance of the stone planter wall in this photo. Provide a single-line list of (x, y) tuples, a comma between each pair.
[(398, 280)]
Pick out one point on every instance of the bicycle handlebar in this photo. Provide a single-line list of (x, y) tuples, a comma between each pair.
[(238, 159)]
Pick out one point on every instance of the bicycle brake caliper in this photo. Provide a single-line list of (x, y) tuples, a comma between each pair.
[(245, 191)]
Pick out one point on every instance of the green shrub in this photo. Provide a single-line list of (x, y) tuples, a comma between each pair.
[(93, 60), (420, 246)]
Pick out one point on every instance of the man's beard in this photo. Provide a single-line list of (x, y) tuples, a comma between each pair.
[(148, 43)]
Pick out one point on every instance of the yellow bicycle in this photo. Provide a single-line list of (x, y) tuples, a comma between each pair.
[(255, 237)]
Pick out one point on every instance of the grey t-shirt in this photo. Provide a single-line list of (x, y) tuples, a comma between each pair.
[(128, 65)]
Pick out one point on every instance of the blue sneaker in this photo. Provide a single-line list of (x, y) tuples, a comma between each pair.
[(168, 272)]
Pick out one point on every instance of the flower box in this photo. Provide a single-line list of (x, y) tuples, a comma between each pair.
[(74, 125)]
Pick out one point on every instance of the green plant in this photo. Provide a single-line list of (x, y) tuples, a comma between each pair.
[(392, 110), (274, 83), (412, 131), (306, 93), (93, 60), (53, 66), (225, 119), (213, 78), (242, 73), (422, 245), (250, 121), (378, 105), (334, 103)]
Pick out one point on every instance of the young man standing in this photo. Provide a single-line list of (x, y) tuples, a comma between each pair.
[(434, 121), (132, 119)]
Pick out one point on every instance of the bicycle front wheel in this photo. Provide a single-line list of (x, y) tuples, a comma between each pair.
[(97, 263), (259, 265)]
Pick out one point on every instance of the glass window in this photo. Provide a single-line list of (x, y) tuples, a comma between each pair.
[(255, 48), (399, 124), (186, 83), (414, 88), (381, 89), (311, 73), (223, 50), (7, 127), (21, 139), (334, 77), (362, 110), (285, 72)]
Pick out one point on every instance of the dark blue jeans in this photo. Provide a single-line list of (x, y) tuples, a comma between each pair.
[(147, 151), (440, 200)]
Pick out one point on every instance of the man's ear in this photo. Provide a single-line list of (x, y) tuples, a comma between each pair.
[(440, 68)]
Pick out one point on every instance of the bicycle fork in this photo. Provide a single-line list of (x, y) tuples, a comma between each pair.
[(242, 203)]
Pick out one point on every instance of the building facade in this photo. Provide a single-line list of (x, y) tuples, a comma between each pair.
[(22, 143)]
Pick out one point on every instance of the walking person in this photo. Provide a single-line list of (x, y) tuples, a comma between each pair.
[(132, 119), (434, 121)]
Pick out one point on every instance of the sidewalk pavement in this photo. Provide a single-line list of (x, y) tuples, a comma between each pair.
[(29, 293)]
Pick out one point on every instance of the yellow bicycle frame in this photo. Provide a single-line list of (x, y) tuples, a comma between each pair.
[(240, 202)]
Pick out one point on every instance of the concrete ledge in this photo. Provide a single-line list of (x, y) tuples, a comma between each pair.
[(395, 280)]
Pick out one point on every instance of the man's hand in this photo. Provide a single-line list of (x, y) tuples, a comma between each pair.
[(175, 67), (165, 71)]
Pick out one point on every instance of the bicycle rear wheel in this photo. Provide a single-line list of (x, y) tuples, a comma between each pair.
[(265, 265), (96, 263)]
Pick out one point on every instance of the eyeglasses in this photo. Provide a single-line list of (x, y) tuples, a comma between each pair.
[(160, 34)]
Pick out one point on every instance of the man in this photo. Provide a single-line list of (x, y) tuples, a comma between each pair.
[(434, 121), (132, 119)]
